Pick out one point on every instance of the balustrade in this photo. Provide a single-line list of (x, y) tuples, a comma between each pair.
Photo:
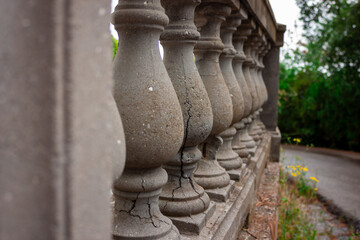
[(152, 120), (190, 127), (182, 198), (209, 174)]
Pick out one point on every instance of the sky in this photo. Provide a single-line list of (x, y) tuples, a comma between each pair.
[(286, 12)]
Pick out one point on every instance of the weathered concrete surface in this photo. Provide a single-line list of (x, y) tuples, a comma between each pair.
[(56, 123), (339, 178)]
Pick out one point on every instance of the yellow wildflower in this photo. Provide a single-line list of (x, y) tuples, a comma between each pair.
[(288, 166), (301, 168), (315, 189), (306, 169), (314, 179), (298, 166), (293, 168), (294, 174), (297, 172)]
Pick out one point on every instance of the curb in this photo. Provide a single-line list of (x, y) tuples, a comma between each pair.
[(325, 151), (343, 215)]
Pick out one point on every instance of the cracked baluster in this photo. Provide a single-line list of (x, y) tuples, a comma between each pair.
[(226, 157), (241, 68), (209, 174), (182, 196), (152, 121)]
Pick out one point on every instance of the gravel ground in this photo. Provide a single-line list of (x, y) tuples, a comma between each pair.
[(327, 225), (263, 221)]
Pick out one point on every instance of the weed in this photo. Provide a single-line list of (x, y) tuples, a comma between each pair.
[(293, 223)]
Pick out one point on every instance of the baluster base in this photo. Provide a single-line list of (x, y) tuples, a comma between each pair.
[(247, 139), (209, 174), (226, 157), (194, 223), (236, 174), (136, 213), (182, 196)]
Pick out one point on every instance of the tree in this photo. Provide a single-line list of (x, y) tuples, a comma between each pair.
[(327, 83)]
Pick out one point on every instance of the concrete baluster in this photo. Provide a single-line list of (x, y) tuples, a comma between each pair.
[(209, 174), (242, 144), (242, 35), (226, 156), (152, 120), (182, 199), (257, 40), (251, 74), (265, 47)]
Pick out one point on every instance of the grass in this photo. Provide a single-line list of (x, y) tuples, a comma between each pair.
[(293, 223)]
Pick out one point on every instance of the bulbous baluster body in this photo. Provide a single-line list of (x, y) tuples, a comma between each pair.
[(152, 121)]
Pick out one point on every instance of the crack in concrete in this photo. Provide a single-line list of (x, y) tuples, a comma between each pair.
[(130, 211), (186, 133), (151, 216), (192, 185)]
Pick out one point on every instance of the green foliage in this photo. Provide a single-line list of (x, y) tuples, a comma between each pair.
[(319, 90), (293, 223), (115, 45)]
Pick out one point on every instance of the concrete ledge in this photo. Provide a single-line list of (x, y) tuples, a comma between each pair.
[(229, 216), (221, 194), (265, 148), (194, 223), (236, 174)]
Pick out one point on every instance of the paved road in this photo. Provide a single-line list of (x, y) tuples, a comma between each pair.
[(339, 178)]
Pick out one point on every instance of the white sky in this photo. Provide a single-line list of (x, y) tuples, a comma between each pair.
[(286, 12)]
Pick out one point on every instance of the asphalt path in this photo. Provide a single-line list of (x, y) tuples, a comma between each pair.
[(339, 177)]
